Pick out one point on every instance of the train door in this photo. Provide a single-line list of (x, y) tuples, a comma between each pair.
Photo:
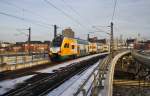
[(78, 50)]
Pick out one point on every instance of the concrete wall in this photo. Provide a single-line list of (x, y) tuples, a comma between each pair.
[(21, 66)]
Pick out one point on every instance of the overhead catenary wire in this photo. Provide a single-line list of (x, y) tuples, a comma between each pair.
[(25, 19), (24, 9), (34, 13), (113, 14), (64, 13), (114, 9), (75, 11), (71, 8), (40, 23)]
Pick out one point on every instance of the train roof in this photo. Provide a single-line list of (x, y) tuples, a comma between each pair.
[(79, 41)]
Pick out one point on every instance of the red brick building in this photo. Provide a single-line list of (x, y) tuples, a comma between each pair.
[(144, 45), (34, 46)]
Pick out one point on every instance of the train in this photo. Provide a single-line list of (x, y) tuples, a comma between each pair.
[(63, 48)]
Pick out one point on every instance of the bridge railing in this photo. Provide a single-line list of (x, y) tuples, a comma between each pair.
[(21, 58), (94, 82)]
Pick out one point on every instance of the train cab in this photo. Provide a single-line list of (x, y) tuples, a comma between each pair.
[(63, 48)]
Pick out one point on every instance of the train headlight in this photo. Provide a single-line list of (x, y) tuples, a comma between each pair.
[(55, 50)]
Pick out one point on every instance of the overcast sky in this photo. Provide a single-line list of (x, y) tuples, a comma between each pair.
[(131, 17)]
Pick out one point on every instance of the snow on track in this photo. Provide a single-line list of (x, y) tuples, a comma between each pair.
[(7, 85), (71, 86), (49, 70)]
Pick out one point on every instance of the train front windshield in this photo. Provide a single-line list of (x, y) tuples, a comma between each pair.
[(57, 41)]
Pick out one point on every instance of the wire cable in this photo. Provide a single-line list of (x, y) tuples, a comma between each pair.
[(114, 9), (63, 12), (26, 10), (25, 19), (74, 10)]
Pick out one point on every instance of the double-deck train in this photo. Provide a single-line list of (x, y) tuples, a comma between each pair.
[(64, 47)]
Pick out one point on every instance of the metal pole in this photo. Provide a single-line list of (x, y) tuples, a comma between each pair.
[(55, 31), (29, 39), (88, 37), (111, 40)]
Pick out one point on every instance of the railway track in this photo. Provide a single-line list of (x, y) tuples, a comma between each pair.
[(6, 75), (43, 83)]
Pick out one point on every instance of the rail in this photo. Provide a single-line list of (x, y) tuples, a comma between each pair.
[(43, 85), (96, 78)]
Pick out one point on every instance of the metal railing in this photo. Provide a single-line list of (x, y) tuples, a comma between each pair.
[(95, 78)]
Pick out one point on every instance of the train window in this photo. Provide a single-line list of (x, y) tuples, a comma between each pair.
[(66, 45), (57, 41), (72, 46)]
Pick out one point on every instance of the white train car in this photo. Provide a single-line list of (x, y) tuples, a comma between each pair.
[(105, 48)]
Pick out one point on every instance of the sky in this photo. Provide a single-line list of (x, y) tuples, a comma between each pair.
[(132, 17)]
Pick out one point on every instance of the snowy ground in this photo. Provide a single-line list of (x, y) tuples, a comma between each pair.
[(49, 70), (71, 86), (7, 85)]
